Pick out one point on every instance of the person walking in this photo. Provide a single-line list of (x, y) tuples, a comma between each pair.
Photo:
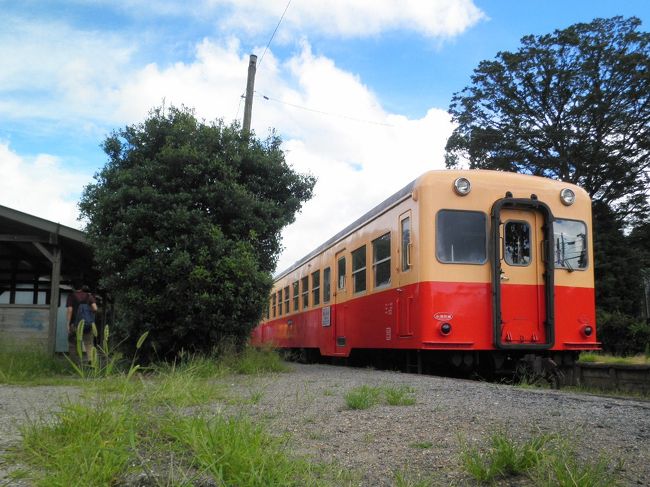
[(82, 306)]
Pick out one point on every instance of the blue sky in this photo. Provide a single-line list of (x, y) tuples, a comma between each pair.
[(74, 70)]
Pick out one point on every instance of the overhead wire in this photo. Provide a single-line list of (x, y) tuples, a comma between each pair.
[(300, 107), (273, 35), (268, 44), (321, 112)]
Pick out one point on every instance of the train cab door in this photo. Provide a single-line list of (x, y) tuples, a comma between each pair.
[(521, 278)]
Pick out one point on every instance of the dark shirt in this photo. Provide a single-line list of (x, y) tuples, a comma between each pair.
[(76, 298)]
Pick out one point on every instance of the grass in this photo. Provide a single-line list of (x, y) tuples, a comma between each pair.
[(31, 365), (254, 361), (404, 478), (364, 397), (604, 358), (85, 445), (119, 430), (178, 389), (399, 396), (547, 460), (503, 458), (422, 445), (235, 451)]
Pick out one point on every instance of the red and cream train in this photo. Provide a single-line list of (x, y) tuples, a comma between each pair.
[(475, 267)]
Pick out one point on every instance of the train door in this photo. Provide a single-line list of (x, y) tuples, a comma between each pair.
[(404, 303), (522, 276), (340, 301)]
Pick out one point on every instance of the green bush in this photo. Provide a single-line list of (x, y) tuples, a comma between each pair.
[(185, 221), (622, 334)]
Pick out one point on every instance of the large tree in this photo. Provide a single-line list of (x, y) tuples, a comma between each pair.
[(185, 219), (573, 105)]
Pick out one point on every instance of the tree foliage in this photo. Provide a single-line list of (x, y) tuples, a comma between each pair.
[(573, 105), (185, 219)]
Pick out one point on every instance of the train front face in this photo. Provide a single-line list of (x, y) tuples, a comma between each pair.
[(506, 263)]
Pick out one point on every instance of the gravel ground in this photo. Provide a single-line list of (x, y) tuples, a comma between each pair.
[(308, 404), (18, 405)]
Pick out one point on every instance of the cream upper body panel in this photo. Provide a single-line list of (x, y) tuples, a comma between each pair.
[(420, 202), (435, 192)]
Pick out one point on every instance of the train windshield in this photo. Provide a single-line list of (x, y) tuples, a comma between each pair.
[(570, 242), (461, 237)]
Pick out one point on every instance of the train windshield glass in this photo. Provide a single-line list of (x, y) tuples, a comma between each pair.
[(461, 237), (570, 244)]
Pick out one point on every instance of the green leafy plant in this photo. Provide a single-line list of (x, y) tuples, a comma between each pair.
[(103, 361)]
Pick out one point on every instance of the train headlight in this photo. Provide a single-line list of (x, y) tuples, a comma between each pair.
[(445, 329), (567, 196), (587, 330), (462, 186)]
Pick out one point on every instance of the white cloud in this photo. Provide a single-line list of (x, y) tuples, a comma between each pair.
[(54, 71), (40, 186), (358, 164), (360, 152), (358, 18), (341, 18), (212, 83)]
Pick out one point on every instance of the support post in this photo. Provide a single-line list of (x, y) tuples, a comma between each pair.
[(250, 88), (55, 282)]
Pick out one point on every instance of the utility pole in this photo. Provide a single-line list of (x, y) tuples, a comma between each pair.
[(250, 86)]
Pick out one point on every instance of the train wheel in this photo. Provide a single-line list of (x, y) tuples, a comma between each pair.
[(539, 371)]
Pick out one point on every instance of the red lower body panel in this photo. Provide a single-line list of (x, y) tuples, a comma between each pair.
[(413, 318)]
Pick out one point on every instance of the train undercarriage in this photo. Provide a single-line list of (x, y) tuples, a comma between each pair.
[(539, 368)]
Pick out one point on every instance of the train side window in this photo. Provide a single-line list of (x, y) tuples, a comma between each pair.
[(359, 269), (273, 305), (341, 281), (461, 237), (570, 243), (305, 292), (315, 288), (516, 243), (296, 300), (326, 284), (381, 260), (280, 302), (286, 300), (406, 244)]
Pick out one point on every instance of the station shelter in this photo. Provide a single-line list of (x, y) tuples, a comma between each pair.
[(39, 259)]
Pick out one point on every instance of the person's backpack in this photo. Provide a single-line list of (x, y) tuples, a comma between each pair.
[(85, 313)]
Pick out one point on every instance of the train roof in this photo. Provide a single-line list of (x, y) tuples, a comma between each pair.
[(382, 207)]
